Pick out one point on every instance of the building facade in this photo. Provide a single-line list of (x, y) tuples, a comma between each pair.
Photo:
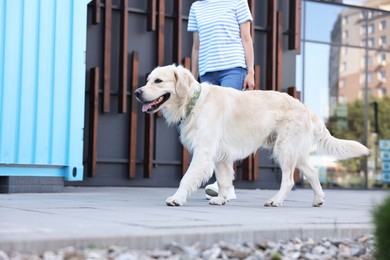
[(348, 75), (68, 69)]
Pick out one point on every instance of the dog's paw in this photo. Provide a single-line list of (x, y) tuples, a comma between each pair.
[(272, 203), (174, 201), (318, 202), (217, 201)]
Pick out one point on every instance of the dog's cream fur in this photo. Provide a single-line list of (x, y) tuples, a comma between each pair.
[(226, 125)]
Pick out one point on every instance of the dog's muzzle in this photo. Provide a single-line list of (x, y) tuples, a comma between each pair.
[(150, 106), (138, 94)]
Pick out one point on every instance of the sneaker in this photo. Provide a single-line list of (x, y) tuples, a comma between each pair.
[(211, 190)]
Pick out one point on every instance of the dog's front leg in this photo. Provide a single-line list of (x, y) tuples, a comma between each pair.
[(224, 173), (199, 171)]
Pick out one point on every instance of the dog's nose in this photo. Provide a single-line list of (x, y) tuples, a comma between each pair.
[(138, 93)]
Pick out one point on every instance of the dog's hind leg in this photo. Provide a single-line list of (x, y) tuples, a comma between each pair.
[(285, 187), (225, 174), (311, 175), (287, 162), (199, 171)]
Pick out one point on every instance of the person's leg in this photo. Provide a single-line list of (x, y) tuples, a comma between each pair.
[(233, 78), (210, 77)]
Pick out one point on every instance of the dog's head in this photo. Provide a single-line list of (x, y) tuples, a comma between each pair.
[(168, 88)]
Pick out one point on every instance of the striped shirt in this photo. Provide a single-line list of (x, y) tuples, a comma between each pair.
[(218, 25)]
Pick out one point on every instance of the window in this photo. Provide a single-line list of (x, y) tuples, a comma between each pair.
[(362, 30), (382, 76), (369, 61), (382, 25), (341, 83), (382, 40), (343, 67), (371, 28), (371, 42), (345, 20), (384, 92), (342, 100), (363, 13), (369, 80), (333, 77), (382, 58), (363, 79), (345, 35)]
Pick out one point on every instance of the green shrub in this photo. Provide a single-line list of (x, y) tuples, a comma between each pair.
[(382, 230)]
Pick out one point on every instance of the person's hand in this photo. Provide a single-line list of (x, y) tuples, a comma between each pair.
[(249, 82)]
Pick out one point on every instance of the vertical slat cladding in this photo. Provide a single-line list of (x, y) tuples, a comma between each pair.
[(25, 103), (177, 32), (298, 95), (122, 98), (40, 40), (187, 62), (257, 77), (107, 55), (149, 145), (271, 46), (43, 86), (149, 119), (279, 50), (185, 155), (251, 4), (250, 166), (160, 32), (298, 20), (294, 37), (93, 120), (133, 116), (96, 12), (60, 103), (76, 89), (69, 77), (19, 85), (36, 66), (247, 164), (256, 154), (247, 168), (9, 95), (2, 68), (36, 45), (292, 91), (151, 19), (53, 66)]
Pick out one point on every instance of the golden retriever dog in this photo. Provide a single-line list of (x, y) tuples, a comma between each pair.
[(220, 125)]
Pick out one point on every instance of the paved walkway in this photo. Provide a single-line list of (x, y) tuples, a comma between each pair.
[(138, 218)]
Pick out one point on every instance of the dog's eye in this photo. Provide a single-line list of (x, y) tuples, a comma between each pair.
[(158, 81)]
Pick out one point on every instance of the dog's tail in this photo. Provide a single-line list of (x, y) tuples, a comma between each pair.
[(339, 148)]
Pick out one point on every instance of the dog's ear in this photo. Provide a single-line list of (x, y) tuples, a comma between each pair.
[(183, 81)]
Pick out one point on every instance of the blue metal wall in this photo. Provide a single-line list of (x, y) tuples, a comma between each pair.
[(42, 86)]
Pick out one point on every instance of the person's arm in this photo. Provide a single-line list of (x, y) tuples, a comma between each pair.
[(195, 56), (246, 38)]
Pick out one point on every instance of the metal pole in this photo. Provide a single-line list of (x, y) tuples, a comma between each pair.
[(366, 98)]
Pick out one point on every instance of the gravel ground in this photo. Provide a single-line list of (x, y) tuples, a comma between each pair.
[(359, 248)]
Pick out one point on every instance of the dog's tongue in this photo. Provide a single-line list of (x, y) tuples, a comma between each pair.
[(146, 107)]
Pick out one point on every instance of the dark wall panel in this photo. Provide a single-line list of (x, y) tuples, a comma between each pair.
[(114, 129)]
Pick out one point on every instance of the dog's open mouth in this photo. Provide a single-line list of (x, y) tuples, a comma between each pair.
[(153, 105)]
